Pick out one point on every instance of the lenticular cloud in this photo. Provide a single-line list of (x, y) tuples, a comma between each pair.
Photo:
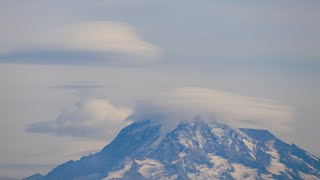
[(184, 104)]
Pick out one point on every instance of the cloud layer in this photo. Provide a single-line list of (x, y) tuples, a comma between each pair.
[(92, 42), (89, 118), (185, 104), (99, 119)]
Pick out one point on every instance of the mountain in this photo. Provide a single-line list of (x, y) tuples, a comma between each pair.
[(191, 150)]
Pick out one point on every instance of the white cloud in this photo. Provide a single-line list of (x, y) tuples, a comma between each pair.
[(185, 104), (89, 118), (100, 36), (104, 41), (98, 118)]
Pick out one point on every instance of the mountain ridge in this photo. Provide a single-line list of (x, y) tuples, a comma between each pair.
[(192, 150)]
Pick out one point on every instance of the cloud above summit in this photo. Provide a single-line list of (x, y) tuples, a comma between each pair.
[(184, 104), (99, 119)]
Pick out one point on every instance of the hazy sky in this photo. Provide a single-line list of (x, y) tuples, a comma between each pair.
[(71, 71)]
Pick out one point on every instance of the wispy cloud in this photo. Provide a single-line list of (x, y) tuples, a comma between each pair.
[(79, 85), (92, 42)]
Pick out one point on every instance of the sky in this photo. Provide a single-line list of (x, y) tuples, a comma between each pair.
[(74, 73)]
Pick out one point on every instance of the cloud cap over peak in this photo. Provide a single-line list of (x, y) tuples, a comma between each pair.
[(185, 104)]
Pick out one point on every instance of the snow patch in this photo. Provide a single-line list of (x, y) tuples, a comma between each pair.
[(220, 165), (276, 167), (229, 142), (313, 157), (242, 172), (307, 176), (119, 174), (182, 154), (185, 142), (217, 131), (266, 176), (175, 162), (217, 161), (173, 177), (251, 147), (301, 160), (200, 139), (149, 167), (201, 168), (296, 157)]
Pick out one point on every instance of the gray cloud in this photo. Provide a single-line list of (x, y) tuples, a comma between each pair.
[(89, 118), (79, 86)]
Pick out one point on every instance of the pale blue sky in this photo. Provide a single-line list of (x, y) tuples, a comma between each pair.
[(70, 59)]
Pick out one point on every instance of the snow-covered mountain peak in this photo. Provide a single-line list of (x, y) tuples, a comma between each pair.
[(192, 150)]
